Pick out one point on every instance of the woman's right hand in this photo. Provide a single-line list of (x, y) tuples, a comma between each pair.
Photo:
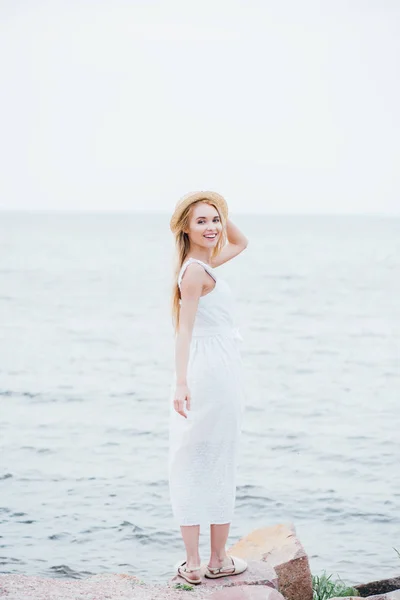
[(182, 393)]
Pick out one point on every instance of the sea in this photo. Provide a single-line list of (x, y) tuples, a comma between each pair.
[(86, 358)]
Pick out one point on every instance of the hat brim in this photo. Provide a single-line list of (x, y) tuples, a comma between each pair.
[(184, 202)]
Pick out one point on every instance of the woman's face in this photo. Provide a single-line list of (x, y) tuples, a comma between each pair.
[(205, 226)]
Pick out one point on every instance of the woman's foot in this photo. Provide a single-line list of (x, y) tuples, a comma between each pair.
[(229, 565), (190, 571), (217, 563)]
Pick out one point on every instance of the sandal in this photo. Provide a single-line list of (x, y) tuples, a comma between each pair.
[(183, 572), (238, 566)]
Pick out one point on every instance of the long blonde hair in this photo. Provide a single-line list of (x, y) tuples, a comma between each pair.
[(182, 247)]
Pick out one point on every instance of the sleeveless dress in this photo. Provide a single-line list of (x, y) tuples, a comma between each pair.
[(203, 449)]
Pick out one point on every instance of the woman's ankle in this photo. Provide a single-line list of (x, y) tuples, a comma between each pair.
[(193, 561), (218, 557)]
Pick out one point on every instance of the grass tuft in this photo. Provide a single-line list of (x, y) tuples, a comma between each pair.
[(184, 586), (324, 588)]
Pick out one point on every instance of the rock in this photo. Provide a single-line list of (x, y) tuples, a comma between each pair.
[(101, 587), (257, 573), (277, 570), (394, 595), (279, 547), (248, 592), (382, 586)]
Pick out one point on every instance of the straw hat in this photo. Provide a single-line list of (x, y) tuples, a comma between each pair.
[(188, 199)]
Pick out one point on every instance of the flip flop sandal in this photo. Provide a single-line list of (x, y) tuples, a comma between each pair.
[(183, 572), (238, 566)]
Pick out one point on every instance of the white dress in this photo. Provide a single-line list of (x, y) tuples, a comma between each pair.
[(203, 449)]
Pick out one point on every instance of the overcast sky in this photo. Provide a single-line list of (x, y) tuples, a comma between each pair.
[(280, 105)]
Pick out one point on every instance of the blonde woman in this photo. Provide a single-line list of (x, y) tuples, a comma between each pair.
[(207, 394)]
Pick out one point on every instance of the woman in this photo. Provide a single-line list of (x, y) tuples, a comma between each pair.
[(204, 434)]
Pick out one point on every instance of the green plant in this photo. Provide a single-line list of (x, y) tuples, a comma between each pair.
[(184, 586), (324, 588)]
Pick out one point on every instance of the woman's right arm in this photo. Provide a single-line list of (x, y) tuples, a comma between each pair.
[(191, 289)]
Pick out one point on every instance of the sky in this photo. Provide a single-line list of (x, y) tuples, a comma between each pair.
[(281, 106)]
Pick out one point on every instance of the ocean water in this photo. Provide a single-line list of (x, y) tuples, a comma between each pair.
[(86, 355)]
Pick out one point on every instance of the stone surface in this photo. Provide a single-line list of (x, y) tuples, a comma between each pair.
[(393, 595), (104, 587), (99, 587), (257, 573), (248, 592), (382, 586), (279, 547)]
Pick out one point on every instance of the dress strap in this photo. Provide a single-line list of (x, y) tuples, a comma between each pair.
[(207, 267)]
